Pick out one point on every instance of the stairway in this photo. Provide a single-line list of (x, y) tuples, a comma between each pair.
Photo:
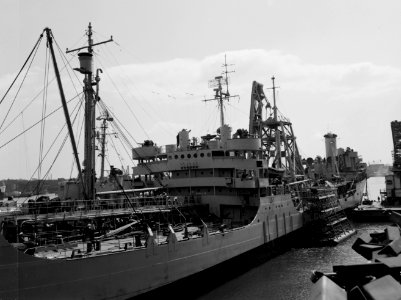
[(326, 222)]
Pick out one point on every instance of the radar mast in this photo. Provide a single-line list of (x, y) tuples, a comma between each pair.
[(217, 84)]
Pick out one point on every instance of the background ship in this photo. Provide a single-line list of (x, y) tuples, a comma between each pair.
[(393, 180), (195, 204), (341, 169)]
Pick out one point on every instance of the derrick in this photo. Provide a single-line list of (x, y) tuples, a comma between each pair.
[(279, 145)]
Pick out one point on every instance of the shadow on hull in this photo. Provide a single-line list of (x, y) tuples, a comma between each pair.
[(202, 283)]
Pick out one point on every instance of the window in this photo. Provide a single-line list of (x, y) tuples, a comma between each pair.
[(217, 153), (202, 154)]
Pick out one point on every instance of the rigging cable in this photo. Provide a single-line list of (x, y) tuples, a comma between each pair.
[(167, 93), (28, 105), (122, 97), (41, 180), (33, 125), (23, 66), (67, 62), (19, 88), (131, 86), (44, 106), (118, 154), (25, 146), (79, 137), (82, 101), (115, 124)]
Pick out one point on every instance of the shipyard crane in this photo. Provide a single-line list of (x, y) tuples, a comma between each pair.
[(279, 145)]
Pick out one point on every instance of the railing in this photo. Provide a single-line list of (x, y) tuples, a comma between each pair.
[(114, 204), (60, 249)]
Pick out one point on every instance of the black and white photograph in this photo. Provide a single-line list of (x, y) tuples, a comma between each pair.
[(200, 150)]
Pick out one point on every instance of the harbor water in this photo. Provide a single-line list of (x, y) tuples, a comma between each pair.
[(287, 276)]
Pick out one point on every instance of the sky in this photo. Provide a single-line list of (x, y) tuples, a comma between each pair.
[(336, 63)]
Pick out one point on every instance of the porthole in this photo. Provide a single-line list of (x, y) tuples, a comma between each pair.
[(202, 154), (195, 155), (189, 155), (176, 156), (208, 154), (182, 156)]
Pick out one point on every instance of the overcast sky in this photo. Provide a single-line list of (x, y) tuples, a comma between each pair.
[(337, 64)]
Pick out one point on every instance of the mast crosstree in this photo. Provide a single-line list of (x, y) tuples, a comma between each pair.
[(217, 85)]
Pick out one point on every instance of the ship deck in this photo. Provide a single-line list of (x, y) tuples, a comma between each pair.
[(75, 250), (81, 214)]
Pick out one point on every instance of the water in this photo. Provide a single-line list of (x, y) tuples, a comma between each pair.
[(375, 184), (287, 276)]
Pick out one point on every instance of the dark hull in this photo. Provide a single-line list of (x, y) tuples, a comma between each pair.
[(124, 274)]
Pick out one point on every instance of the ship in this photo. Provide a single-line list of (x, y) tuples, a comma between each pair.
[(189, 206), (341, 169), (392, 194)]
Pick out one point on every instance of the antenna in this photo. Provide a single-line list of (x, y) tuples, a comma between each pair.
[(90, 42), (226, 72), (105, 117), (274, 98), (217, 84)]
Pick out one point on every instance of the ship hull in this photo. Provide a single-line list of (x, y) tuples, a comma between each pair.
[(129, 273), (352, 201)]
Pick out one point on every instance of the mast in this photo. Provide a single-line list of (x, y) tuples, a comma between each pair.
[(64, 103), (86, 68), (217, 83), (106, 118), (278, 142)]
